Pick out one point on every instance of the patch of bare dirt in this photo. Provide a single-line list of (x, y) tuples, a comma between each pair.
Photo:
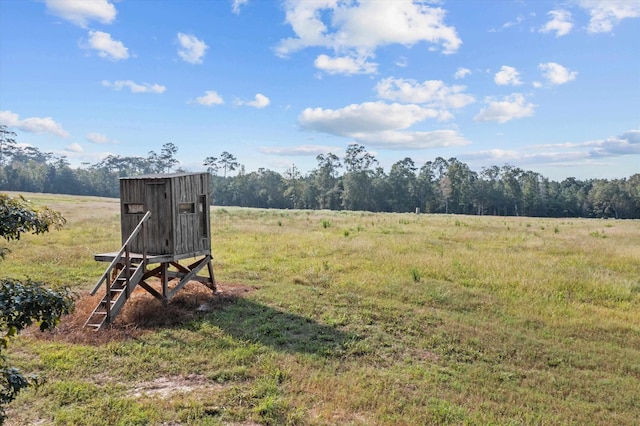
[(141, 314), (166, 387)]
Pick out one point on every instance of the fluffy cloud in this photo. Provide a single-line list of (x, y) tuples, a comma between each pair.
[(357, 29), (560, 23), (365, 117), (106, 46), (392, 139), (134, 87), (345, 65), (508, 156), (33, 124), (191, 49), (507, 76), (587, 152), (556, 73), (75, 148), (81, 12), (209, 98), (302, 150), (461, 73), (605, 14), (627, 143), (432, 93), (509, 108), (260, 101), (98, 138), (379, 124)]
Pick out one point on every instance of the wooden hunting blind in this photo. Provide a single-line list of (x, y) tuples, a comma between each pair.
[(164, 219)]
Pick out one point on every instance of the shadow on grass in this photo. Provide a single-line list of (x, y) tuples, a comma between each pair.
[(241, 318), (253, 322)]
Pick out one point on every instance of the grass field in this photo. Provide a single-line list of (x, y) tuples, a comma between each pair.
[(347, 318)]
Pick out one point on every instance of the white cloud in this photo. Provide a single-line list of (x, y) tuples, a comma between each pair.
[(461, 73), (210, 97), (433, 93), (507, 76), (560, 22), (99, 138), (508, 156), (235, 7), (33, 124), (363, 118), (356, 29), (556, 73), (74, 147), (345, 65), (191, 49), (628, 143), (81, 12), (260, 101), (412, 140), (299, 150), (509, 108), (106, 46), (134, 87), (607, 13), (575, 153), (380, 124)]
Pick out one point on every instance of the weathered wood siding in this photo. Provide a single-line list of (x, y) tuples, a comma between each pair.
[(192, 225), (179, 205)]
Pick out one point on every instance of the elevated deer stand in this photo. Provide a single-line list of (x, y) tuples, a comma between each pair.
[(164, 219)]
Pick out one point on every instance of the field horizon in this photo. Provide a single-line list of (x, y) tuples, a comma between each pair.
[(335, 317)]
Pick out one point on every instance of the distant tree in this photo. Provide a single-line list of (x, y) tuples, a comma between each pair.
[(425, 188), (167, 156), (294, 187), (7, 144), (402, 179), (212, 165), (511, 178), (22, 304), (611, 199), (462, 184), (357, 158), (325, 179), (227, 162), (165, 161), (357, 182)]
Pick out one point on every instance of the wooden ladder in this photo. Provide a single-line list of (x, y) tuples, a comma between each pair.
[(128, 272)]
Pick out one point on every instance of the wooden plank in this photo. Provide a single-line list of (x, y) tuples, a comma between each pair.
[(152, 258), (188, 276), (152, 291)]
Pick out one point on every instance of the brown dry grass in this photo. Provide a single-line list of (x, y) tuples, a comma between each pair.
[(141, 314)]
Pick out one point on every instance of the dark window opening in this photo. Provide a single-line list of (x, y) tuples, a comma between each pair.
[(186, 208), (134, 208)]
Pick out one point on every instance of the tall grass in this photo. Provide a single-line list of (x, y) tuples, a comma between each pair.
[(355, 318)]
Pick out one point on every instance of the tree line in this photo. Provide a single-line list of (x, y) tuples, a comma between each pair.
[(354, 182)]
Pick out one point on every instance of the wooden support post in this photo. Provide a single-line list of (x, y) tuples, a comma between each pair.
[(213, 287), (165, 280)]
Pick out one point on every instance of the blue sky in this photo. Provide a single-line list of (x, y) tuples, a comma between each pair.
[(548, 86)]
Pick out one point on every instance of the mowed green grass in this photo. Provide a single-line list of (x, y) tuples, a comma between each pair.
[(355, 318)]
